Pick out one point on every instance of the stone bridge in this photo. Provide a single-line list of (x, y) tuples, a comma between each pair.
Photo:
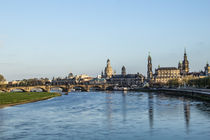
[(65, 88)]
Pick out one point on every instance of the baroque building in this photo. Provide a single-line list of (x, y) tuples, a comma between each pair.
[(126, 80), (108, 70), (164, 74), (149, 69)]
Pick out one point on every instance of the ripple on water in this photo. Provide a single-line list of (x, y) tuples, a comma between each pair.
[(101, 115)]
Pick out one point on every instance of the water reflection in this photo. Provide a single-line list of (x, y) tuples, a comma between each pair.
[(109, 109), (187, 114), (1, 121), (204, 108), (124, 108), (150, 109)]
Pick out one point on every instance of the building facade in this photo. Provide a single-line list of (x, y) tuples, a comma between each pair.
[(126, 80), (164, 74)]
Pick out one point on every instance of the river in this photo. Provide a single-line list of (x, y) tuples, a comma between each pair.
[(107, 116)]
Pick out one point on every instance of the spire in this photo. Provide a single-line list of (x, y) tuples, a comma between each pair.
[(185, 63), (108, 61), (123, 72), (149, 68), (149, 55), (185, 54)]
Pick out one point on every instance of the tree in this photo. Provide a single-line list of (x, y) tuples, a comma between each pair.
[(173, 83), (200, 83), (2, 79)]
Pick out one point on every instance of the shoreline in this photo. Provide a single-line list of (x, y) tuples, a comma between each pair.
[(197, 94), (29, 101)]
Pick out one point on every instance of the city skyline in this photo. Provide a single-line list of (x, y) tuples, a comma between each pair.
[(119, 71), (50, 38)]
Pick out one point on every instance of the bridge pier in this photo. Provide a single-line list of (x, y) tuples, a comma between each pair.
[(87, 88), (47, 88), (68, 90)]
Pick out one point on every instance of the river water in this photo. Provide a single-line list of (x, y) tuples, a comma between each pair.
[(107, 116)]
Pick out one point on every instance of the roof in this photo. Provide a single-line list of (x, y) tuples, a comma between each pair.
[(167, 68), (127, 76)]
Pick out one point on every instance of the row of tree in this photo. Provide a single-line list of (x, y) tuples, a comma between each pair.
[(199, 83), (32, 82)]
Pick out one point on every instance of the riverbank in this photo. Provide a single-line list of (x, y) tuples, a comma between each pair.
[(194, 93), (16, 98)]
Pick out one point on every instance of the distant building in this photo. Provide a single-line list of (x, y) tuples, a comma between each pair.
[(78, 79), (126, 80), (180, 66), (184, 66), (97, 80), (123, 73), (164, 74), (149, 69), (14, 82), (70, 76), (207, 69), (82, 78), (108, 72), (4, 82), (193, 75)]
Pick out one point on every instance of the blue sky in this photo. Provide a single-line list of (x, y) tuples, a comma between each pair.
[(46, 38)]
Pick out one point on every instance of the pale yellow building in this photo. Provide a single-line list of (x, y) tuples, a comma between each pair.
[(164, 74), (108, 70)]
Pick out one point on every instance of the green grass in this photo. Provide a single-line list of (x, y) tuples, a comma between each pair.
[(14, 98)]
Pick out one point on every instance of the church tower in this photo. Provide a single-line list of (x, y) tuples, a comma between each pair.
[(123, 71), (185, 64), (108, 70), (149, 68), (180, 66), (207, 69)]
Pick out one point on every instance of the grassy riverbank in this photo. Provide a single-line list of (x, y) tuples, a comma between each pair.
[(15, 98)]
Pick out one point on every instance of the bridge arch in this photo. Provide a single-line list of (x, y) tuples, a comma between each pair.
[(109, 88), (79, 88), (96, 88), (62, 89), (18, 89), (36, 89), (2, 90)]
